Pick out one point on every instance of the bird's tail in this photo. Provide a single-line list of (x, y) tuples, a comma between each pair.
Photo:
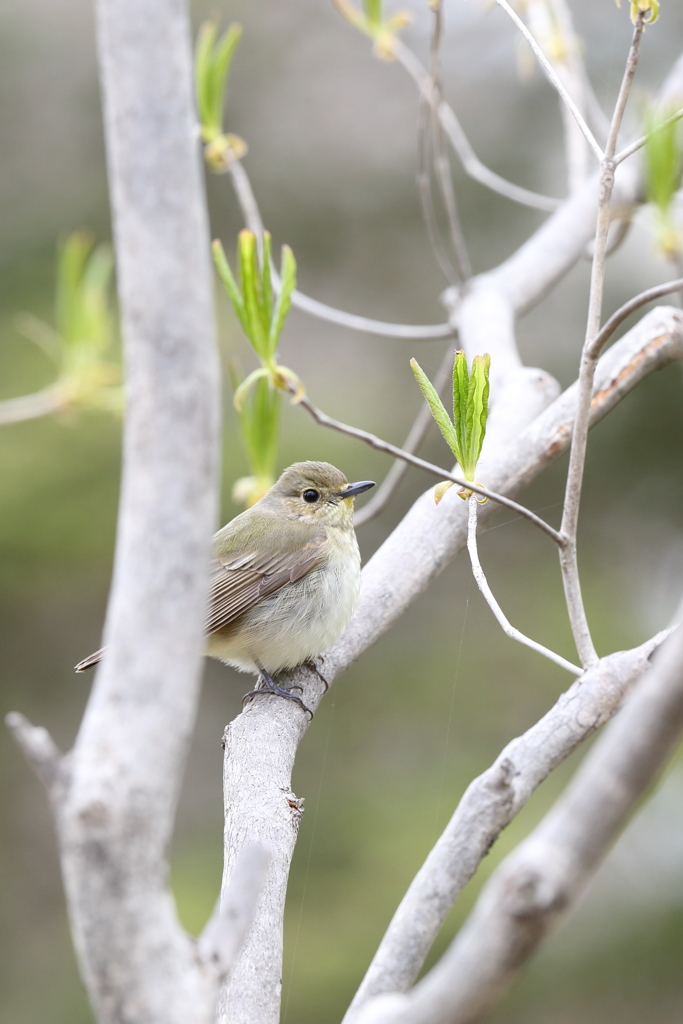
[(90, 661)]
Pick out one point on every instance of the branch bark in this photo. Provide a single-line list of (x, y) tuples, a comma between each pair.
[(543, 876), (115, 815)]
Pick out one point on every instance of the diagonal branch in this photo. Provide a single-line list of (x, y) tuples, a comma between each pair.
[(489, 804), (30, 407), (539, 880)]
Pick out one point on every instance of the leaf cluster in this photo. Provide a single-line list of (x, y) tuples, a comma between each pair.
[(85, 326), (260, 313), (259, 418), (465, 433), (371, 21), (213, 57)]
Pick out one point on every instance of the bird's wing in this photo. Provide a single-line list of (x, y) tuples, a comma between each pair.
[(240, 582)]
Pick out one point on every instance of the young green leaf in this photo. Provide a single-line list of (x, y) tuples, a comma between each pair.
[(477, 412), (287, 286), (461, 385), (373, 11), (222, 59), (243, 390), (440, 415), (224, 272), (250, 279), (203, 78)]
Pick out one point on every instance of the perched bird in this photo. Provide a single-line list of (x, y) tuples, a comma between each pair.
[(285, 577)]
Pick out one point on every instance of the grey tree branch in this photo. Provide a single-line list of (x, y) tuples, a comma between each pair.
[(40, 750), (543, 876), (115, 813), (488, 805), (577, 456)]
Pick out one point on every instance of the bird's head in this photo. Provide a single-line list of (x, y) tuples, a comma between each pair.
[(315, 492)]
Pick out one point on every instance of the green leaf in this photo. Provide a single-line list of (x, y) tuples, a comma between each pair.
[(262, 422), (71, 260), (287, 286), (250, 278), (440, 415), (222, 59), (373, 11), (224, 272), (242, 391), (95, 317), (663, 158), (203, 61), (266, 285), (461, 386), (477, 413), (212, 65)]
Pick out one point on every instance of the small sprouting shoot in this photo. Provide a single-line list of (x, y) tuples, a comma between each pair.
[(465, 433), (213, 57), (82, 343), (370, 19), (649, 7), (260, 314)]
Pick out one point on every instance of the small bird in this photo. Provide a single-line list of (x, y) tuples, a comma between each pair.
[(285, 577)]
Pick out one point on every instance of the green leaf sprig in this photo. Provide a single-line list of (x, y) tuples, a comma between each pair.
[(370, 20), (650, 7), (85, 327), (663, 167), (259, 419), (213, 57), (465, 433), (261, 316)]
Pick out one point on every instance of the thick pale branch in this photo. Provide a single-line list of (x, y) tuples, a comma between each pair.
[(116, 819), (489, 804), (545, 874)]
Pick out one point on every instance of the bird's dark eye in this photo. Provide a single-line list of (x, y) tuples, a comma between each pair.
[(310, 495)]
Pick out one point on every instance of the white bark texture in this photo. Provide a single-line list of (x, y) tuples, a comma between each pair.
[(543, 876), (116, 808)]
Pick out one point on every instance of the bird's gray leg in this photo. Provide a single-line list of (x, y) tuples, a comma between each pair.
[(268, 686), (314, 668)]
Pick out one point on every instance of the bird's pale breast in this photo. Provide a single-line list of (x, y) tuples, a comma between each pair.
[(300, 621)]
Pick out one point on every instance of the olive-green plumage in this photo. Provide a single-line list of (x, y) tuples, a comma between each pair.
[(285, 574)]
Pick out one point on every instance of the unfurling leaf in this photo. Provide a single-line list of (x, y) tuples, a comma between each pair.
[(212, 64), (663, 166), (440, 415), (465, 435), (441, 489)]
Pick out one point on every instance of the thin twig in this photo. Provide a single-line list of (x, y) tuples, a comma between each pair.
[(39, 748), (577, 457), (639, 143), (482, 583), (625, 311), (383, 446), (547, 67), (423, 421), (31, 407), (252, 217), (456, 136)]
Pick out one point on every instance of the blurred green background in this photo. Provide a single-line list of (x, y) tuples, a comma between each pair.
[(331, 133)]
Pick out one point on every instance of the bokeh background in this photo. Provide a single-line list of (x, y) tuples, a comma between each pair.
[(331, 134)]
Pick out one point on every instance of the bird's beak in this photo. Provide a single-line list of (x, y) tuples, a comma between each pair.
[(353, 489)]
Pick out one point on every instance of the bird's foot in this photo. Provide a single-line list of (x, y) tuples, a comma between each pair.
[(268, 686), (314, 668)]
